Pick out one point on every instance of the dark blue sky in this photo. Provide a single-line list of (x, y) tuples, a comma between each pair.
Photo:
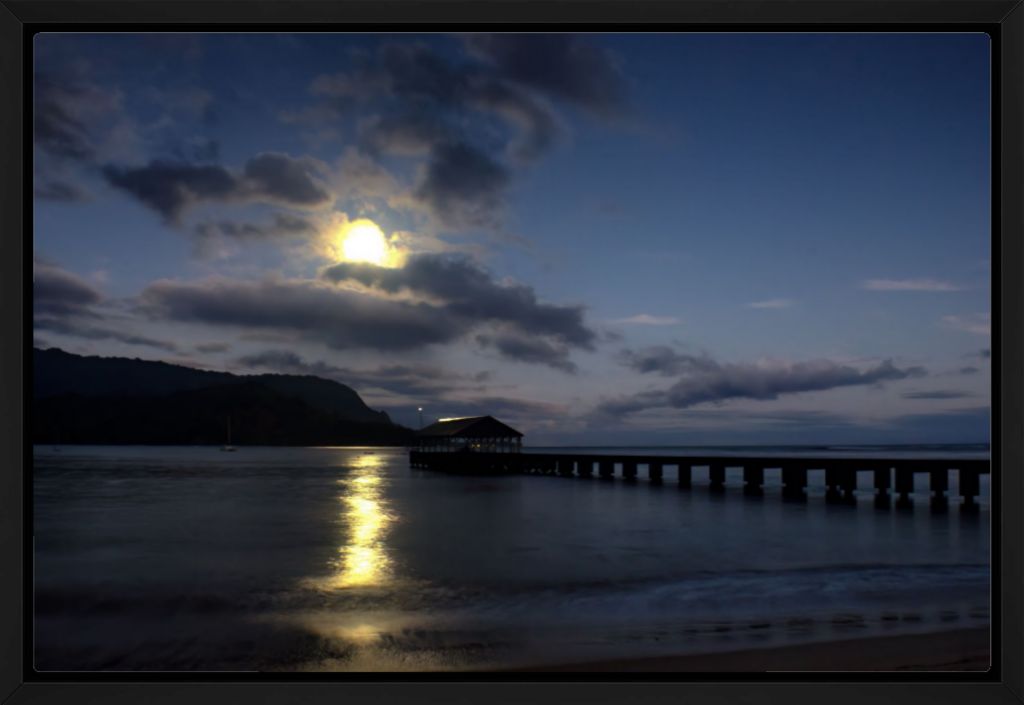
[(599, 238)]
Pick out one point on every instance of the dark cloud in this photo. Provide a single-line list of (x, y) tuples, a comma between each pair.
[(62, 110), (52, 189), (664, 361), (341, 319), (467, 118), (172, 187), (986, 353), (969, 370), (531, 350), (66, 304), (72, 120), (937, 394), (408, 133), (564, 66), (212, 236), (537, 127), (456, 298), (89, 331), (57, 292), (464, 289), (423, 381), (213, 347), (283, 179), (705, 380), (462, 186)]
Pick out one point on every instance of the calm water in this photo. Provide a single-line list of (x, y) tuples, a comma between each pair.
[(346, 559)]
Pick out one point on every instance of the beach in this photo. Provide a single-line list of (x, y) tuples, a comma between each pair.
[(955, 650)]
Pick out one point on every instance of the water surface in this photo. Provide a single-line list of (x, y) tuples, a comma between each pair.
[(347, 559)]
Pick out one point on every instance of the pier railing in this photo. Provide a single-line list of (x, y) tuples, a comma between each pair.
[(889, 475)]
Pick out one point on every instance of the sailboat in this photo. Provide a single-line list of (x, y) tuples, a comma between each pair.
[(228, 448)]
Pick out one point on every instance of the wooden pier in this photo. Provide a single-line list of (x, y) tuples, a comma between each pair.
[(889, 475)]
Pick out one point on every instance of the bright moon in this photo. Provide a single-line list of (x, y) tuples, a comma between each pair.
[(363, 241)]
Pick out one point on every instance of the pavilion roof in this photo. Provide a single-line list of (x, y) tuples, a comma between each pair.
[(470, 427)]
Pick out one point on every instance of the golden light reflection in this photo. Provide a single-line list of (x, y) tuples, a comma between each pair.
[(363, 560)]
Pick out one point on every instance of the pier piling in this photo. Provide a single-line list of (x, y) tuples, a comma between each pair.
[(753, 480), (716, 476), (794, 482), (833, 479), (939, 483), (893, 479), (970, 487), (629, 470), (685, 475), (904, 486), (883, 481)]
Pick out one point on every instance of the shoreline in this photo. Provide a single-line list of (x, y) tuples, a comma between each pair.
[(953, 650)]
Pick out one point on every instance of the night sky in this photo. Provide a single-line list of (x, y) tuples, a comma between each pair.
[(599, 239)]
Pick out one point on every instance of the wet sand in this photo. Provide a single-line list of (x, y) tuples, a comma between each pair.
[(958, 650)]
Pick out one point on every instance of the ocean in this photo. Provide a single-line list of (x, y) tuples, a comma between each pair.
[(345, 559)]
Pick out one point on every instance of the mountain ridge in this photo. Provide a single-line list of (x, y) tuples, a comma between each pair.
[(92, 399)]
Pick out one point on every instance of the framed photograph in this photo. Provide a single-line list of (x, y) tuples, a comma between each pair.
[(447, 350)]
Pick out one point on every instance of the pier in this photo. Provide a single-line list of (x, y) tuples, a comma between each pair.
[(892, 479)]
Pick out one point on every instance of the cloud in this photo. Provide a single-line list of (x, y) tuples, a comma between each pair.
[(74, 122), (58, 292), (429, 99), (52, 189), (563, 66), (705, 380), (909, 285), (985, 353), (418, 381), (64, 303), (976, 323), (462, 288), (433, 299), (408, 133), (65, 110), (339, 318), (969, 370), (215, 238), (279, 178), (646, 319), (465, 120), (663, 360), (172, 187), (531, 350), (772, 303), (77, 329), (213, 347), (461, 186), (936, 394), (536, 123)]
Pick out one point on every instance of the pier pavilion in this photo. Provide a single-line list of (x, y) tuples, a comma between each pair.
[(483, 434)]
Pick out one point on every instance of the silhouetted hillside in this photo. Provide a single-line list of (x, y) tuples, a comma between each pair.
[(79, 399)]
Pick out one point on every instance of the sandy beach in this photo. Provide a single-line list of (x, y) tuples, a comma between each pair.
[(957, 650)]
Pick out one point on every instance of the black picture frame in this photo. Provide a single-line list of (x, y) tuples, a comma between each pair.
[(1003, 19)]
